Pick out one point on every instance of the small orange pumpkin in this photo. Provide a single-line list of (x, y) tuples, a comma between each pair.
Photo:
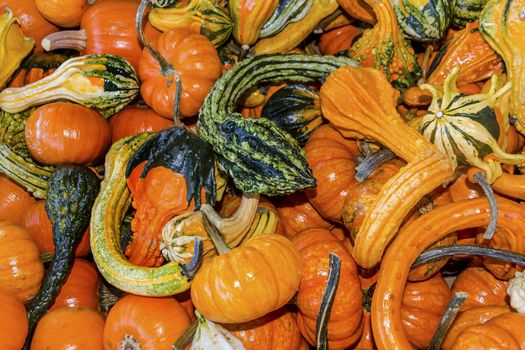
[(134, 120), (14, 201), (13, 321), (63, 13)]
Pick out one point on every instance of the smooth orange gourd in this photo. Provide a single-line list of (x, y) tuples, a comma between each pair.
[(63, 13), (13, 321), (134, 120), (14, 201), (339, 39)]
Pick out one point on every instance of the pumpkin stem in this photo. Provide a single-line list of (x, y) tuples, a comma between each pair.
[(370, 163), (449, 316), (215, 235), (66, 39), (245, 49), (189, 270), (480, 179), (321, 326), (493, 253), (176, 101), (186, 337)]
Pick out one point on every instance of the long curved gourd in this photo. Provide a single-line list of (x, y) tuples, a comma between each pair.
[(108, 213), (410, 243), (502, 25), (287, 11), (260, 157), (360, 103)]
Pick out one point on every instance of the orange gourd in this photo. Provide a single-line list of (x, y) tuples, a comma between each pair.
[(67, 133), (338, 39), (134, 120), (14, 201), (13, 321), (63, 13), (69, 328), (37, 222), (137, 322), (345, 323), (21, 271), (358, 9)]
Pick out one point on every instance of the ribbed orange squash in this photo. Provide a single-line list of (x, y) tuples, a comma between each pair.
[(14, 201), (13, 321)]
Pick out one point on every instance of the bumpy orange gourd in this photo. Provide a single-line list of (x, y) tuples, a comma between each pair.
[(13, 321), (133, 120), (67, 133), (63, 13), (14, 201)]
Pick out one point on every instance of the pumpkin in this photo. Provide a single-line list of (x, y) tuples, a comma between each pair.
[(36, 67), (135, 119), (20, 266), (248, 17), (106, 27), (67, 133), (63, 13), (14, 202), (344, 324), (339, 39), (32, 23), (277, 330), (37, 222), (13, 321), (373, 112), (358, 9), (69, 327), (333, 163), (193, 58), (145, 323), (80, 288), (423, 306)]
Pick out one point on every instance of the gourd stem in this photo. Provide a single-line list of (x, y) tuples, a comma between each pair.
[(190, 270), (494, 253), (480, 179), (186, 337), (449, 316), (321, 326), (370, 163), (215, 235), (66, 39), (319, 29)]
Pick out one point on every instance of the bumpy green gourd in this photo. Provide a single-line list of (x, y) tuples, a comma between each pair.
[(465, 11), (425, 20)]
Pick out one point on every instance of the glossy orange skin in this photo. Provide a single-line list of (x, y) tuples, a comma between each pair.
[(249, 281), (482, 288), (338, 39), (80, 288), (13, 321), (194, 58), (332, 159), (345, 325), (358, 9), (69, 328), (33, 24), (277, 330), (14, 201), (63, 13), (134, 120), (37, 222), (462, 189), (154, 323), (67, 133), (21, 270), (423, 306)]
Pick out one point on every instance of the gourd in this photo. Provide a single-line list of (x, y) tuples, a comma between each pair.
[(516, 292), (338, 40), (137, 321), (14, 46), (465, 11), (255, 152), (358, 9), (63, 13), (20, 266), (248, 17), (36, 67), (67, 133), (72, 191), (14, 201), (13, 323), (373, 101), (135, 119), (425, 20), (205, 17), (104, 82), (286, 12), (213, 336), (69, 327)]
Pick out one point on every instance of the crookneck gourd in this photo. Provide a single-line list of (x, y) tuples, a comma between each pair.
[(286, 12), (104, 82), (423, 20), (258, 155), (373, 111)]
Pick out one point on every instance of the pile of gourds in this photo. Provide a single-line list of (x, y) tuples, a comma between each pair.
[(262, 174)]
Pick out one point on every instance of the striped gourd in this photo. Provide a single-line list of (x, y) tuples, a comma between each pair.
[(106, 83), (287, 11), (259, 156), (468, 128), (203, 16), (163, 3), (465, 11), (425, 20), (248, 17), (108, 212), (15, 160)]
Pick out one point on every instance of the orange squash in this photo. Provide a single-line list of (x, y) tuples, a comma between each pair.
[(69, 328), (144, 323), (338, 39), (134, 120), (67, 133), (358, 9), (14, 201), (13, 321), (63, 13)]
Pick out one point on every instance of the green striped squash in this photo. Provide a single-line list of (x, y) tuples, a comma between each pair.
[(467, 128), (287, 11), (103, 82), (425, 20), (256, 153), (465, 11)]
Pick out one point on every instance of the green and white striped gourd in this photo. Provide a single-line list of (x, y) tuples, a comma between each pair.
[(287, 11), (465, 11), (425, 20)]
